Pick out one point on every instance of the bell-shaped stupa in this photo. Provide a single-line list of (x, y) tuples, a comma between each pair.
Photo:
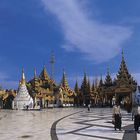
[(23, 100)]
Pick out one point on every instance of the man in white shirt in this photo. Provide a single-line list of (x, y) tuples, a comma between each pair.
[(117, 116)]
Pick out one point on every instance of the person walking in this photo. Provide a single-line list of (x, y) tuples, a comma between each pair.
[(117, 116), (137, 119), (88, 107), (134, 111)]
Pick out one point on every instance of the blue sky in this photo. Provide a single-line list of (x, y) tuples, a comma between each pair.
[(85, 35)]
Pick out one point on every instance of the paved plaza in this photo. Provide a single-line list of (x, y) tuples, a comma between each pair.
[(64, 124)]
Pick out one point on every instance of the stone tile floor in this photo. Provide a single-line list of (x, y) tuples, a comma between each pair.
[(64, 124)]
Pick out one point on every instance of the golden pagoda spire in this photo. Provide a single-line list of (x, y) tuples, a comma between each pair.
[(84, 82), (76, 88), (52, 62), (123, 67), (44, 74), (108, 79), (96, 81), (123, 75), (93, 86), (88, 84), (101, 81), (122, 54), (64, 81), (108, 73), (22, 82), (63, 71), (34, 72)]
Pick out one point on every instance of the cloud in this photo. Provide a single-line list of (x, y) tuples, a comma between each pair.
[(5, 81), (98, 42)]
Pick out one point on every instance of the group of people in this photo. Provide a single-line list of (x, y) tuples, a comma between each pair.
[(117, 117)]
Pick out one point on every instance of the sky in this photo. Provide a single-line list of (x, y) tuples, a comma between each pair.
[(85, 36)]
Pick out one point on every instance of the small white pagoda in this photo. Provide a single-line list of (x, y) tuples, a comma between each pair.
[(22, 100)]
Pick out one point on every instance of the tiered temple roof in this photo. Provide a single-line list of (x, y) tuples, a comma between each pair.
[(44, 75), (84, 85), (65, 87), (124, 78), (64, 82), (42, 86), (76, 88), (101, 82), (108, 79)]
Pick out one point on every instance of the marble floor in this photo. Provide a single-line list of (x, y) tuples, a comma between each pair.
[(64, 124), (95, 125)]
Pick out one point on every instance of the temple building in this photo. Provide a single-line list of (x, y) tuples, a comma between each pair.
[(43, 89), (121, 88), (67, 95), (22, 100), (107, 92), (124, 84), (46, 93)]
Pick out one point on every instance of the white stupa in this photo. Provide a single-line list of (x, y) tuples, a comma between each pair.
[(22, 100)]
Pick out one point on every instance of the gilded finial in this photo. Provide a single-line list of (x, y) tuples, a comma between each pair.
[(108, 70), (63, 71), (64, 81), (122, 54), (23, 77), (96, 81), (43, 74), (101, 76), (122, 51), (84, 71), (52, 62), (22, 70), (44, 66), (34, 72)]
